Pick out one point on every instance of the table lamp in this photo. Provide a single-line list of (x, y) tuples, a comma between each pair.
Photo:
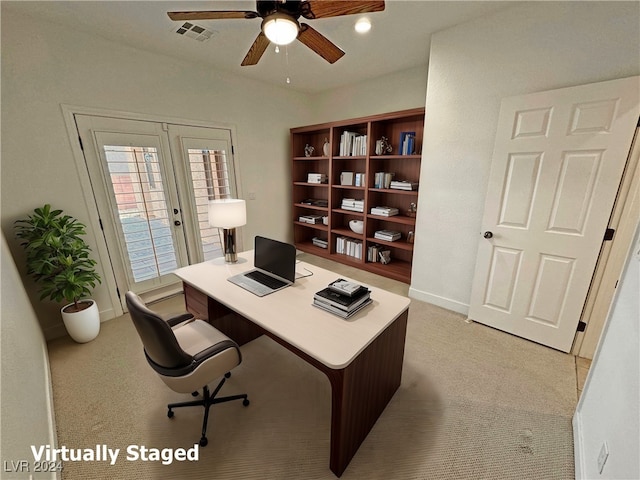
[(228, 213)]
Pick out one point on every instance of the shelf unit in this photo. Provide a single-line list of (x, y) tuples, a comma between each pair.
[(326, 199)]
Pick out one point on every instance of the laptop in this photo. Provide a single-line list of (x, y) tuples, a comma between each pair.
[(275, 268)]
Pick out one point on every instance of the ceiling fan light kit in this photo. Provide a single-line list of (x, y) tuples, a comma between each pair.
[(280, 23), (280, 28), (363, 25)]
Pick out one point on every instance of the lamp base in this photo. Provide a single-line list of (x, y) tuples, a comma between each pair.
[(230, 254)]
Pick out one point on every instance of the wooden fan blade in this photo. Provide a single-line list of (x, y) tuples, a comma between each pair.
[(212, 15), (328, 8), (257, 49), (319, 44)]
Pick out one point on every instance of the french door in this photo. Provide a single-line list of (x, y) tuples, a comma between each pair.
[(152, 183)]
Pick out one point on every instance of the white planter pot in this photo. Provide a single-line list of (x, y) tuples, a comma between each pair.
[(82, 326)]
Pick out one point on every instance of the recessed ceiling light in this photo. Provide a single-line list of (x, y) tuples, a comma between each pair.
[(363, 25)]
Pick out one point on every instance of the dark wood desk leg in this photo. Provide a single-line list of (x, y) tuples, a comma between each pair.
[(361, 391)]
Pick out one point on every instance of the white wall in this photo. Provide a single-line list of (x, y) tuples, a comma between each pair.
[(53, 65), (530, 47), (397, 91), (27, 403), (603, 417)]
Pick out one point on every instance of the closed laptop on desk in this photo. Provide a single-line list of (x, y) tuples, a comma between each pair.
[(275, 267)]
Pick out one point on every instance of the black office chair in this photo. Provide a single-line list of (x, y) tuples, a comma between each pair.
[(187, 354)]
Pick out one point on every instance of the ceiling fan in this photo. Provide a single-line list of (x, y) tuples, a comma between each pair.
[(280, 23)]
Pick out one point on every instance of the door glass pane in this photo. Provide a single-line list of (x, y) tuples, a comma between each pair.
[(142, 210), (210, 177)]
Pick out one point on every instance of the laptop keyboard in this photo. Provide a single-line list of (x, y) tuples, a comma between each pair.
[(265, 279)]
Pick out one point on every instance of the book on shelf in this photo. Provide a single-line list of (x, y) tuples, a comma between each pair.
[(352, 144), (352, 204), (361, 180), (384, 211), (319, 242), (372, 253), (407, 143), (383, 179), (311, 219), (315, 202), (403, 185), (349, 246), (388, 235)]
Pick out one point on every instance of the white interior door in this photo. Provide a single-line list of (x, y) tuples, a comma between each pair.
[(558, 160)]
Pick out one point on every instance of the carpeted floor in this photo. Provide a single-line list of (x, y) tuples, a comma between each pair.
[(474, 403)]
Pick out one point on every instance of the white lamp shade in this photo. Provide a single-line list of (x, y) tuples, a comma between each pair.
[(280, 30), (227, 213)]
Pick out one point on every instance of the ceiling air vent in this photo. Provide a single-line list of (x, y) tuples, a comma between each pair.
[(194, 31)]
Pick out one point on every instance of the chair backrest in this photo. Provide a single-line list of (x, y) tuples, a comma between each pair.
[(160, 343)]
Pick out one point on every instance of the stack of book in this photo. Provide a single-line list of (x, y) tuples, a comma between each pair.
[(388, 235), (342, 298), (312, 219), (352, 204), (315, 202), (319, 242), (384, 211), (403, 185)]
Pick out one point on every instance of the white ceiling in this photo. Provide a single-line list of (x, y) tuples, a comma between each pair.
[(398, 40)]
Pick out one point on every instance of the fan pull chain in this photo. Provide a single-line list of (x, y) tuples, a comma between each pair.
[(286, 55)]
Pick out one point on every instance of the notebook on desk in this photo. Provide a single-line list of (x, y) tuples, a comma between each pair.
[(275, 268)]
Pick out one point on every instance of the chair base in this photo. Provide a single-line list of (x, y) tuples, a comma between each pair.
[(207, 400)]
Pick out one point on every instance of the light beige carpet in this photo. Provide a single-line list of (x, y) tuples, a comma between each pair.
[(474, 403)]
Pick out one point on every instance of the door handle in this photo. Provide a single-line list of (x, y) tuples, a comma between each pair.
[(488, 234)]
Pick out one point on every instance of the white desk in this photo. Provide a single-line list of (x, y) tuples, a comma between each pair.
[(362, 356)]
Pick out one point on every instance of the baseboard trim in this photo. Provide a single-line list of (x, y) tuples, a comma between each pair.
[(578, 452), (439, 301), (58, 330)]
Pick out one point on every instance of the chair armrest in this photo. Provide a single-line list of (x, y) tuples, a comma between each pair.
[(177, 318), (215, 349)]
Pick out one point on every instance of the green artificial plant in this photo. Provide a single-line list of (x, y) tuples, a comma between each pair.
[(57, 256)]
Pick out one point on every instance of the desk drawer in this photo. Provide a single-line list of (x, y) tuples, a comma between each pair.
[(196, 302)]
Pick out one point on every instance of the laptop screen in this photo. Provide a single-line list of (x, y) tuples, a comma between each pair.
[(275, 257)]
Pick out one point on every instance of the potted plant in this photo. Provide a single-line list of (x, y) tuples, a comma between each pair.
[(58, 259)]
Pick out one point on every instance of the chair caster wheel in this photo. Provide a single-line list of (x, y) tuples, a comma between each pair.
[(170, 414), (203, 442), (195, 394), (227, 375), (246, 402)]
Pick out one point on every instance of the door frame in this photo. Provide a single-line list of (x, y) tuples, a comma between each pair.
[(612, 255), (102, 252)]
